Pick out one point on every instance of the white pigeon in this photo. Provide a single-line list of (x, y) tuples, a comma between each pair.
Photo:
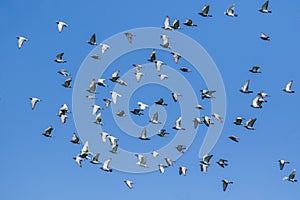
[(142, 105), (291, 177), (129, 183), (114, 77), (217, 117), (154, 119), (178, 124), (175, 96), (138, 76), (163, 77), (101, 82), (59, 58), (155, 154), (21, 40), (230, 11), (85, 150), (158, 64), (165, 42), (63, 119), (176, 56), (98, 119), (204, 167), (161, 168), (207, 94), (264, 8), (33, 101), (137, 68), (245, 88), (63, 110), (78, 160), (263, 36), (288, 87), (104, 135), (257, 102), (204, 11), (167, 24), (114, 96), (143, 135), (197, 121), (61, 25), (96, 108), (249, 124), (226, 183), (48, 131), (129, 36), (182, 171), (207, 121), (95, 158), (282, 163), (141, 160), (92, 87), (122, 82), (169, 162), (105, 165), (104, 47)]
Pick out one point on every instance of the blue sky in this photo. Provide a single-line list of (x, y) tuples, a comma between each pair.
[(35, 167)]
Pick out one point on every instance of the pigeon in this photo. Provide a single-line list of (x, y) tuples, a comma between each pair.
[(175, 96), (282, 163), (255, 69), (92, 40), (263, 36), (288, 86), (291, 177), (154, 119), (185, 69), (63, 119), (245, 88), (104, 47), (169, 162), (152, 56), (121, 113), (137, 112), (222, 163), (104, 135), (59, 58), (207, 94), (141, 160), (204, 11), (142, 105), (138, 76), (98, 119), (96, 57), (181, 148), (63, 110), (107, 102), (162, 133), (121, 82), (230, 11), (33, 101), (234, 138), (129, 36), (165, 43), (161, 102), (95, 158), (78, 160), (197, 121), (114, 96), (67, 83), (92, 87), (263, 94), (143, 135), (75, 139), (203, 168), (155, 154), (176, 24), (264, 8), (112, 140), (21, 40), (114, 148), (249, 124), (207, 121), (85, 151), (206, 159), (178, 124), (257, 102), (176, 56), (226, 183), (199, 107), (158, 64), (217, 117), (163, 77), (114, 77), (238, 121), (96, 108), (48, 131), (167, 25), (137, 67), (105, 165), (189, 22), (129, 183), (161, 168), (64, 72), (91, 97), (61, 25), (182, 171)]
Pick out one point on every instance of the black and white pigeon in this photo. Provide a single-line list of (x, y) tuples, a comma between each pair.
[(67, 83), (21, 41), (167, 24), (288, 87), (263, 36), (34, 101), (245, 88), (75, 139), (189, 22), (222, 163), (255, 69), (291, 177), (249, 124), (137, 111), (161, 102), (282, 163), (226, 183), (92, 40), (204, 11), (230, 11), (105, 166), (152, 56), (59, 58), (95, 159), (48, 131), (264, 8), (61, 25), (143, 135)]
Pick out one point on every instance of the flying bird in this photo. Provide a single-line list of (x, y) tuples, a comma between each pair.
[(238, 121), (154, 119), (95, 159), (249, 124), (104, 135), (105, 166), (92, 87), (230, 11), (264, 8), (176, 56), (129, 183), (189, 22), (204, 11), (143, 135), (178, 124), (263, 36), (78, 160), (165, 43), (96, 108), (137, 112), (98, 119), (152, 56), (121, 113), (291, 177), (61, 25), (114, 96), (75, 139), (96, 57), (85, 151), (63, 119), (176, 24), (141, 160), (234, 138), (257, 102), (207, 121), (199, 107), (64, 72), (197, 121), (288, 87), (59, 58), (185, 69), (226, 183), (222, 162), (181, 148), (114, 148), (207, 94), (255, 69), (161, 168), (67, 83), (114, 77), (245, 88), (112, 140), (48, 131), (282, 163), (161, 102), (169, 162), (129, 36), (104, 47), (107, 102), (142, 105), (34, 101), (121, 82), (175, 96), (155, 154), (182, 171), (139, 76), (217, 117), (92, 40), (163, 77), (158, 64), (206, 159), (162, 133), (167, 24), (204, 167), (21, 40)]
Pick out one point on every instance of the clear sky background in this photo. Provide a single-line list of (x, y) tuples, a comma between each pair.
[(35, 167)]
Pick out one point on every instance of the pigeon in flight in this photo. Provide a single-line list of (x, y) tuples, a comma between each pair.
[(33, 101), (291, 177), (182, 171), (162, 133), (238, 121), (167, 24), (255, 69), (199, 107), (63, 119), (204, 167), (92, 87), (137, 112), (152, 56), (226, 183), (21, 40), (197, 121), (59, 58), (245, 88), (141, 160), (95, 56), (95, 159), (264, 8), (112, 140), (169, 162), (288, 87), (282, 163), (142, 105), (206, 159), (139, 76), (121, 82), (92, 40), (114, 148), (98, 119), (114, 77), (64, 72), (161, 168), (207, 94), (176, 24), (222, 162), (78, 160), (129, 36), (105, 166), (61, 25), (75, 139), (257, 102), (263, 36), (107, 102), (181, 148), (230, 11), (129, 183), (185, 69), (207, 121), (96, 108), (121, 113), (175, 96), (161, 102), (163, 77), (155, 154), (114, 96), (67, 83), (48, 131), (165, 43), (176, 56), (158, 64), (178, 124), (189, 22), (104, 47), (249, 124), (104, 135), (217, 117), (143, 135), (85, 151), (204, 11), (154, 119), (234, 138)]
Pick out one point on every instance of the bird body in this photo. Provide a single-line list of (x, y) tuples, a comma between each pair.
[(34, 101), (204, 11), (178, 124), (264, 8), (230, 11), (21, 40), (288, 87), (61, 25)]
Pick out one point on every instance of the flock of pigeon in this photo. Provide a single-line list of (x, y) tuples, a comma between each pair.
[(85, 154)]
